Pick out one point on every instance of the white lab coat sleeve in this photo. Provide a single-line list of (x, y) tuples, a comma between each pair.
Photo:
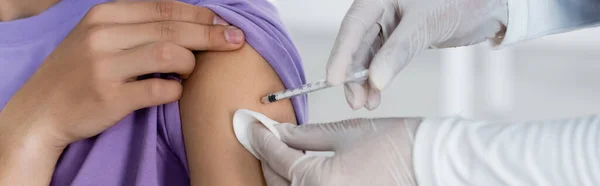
[(455, 151), (529, 19)]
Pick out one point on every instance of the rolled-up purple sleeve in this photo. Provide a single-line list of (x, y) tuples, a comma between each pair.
[(264, 31)]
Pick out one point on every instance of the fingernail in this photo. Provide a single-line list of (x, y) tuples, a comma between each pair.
[(234, 35), (380, 76), (219, 21), (373, 99), (355, 101), (350, 98), (378, 82)]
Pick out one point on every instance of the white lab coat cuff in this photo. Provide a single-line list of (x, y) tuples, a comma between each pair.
[(530, 19), (456, 151), (517, 26), (424, 161)]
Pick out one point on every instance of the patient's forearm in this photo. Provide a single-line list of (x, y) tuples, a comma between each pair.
[(25, 159)]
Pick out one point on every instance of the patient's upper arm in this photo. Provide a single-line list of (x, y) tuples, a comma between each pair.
[(222, 83)]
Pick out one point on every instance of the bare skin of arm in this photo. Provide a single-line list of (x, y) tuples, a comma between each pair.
[(221, 83)]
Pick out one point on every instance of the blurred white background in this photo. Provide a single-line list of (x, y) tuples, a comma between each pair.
[(552, 77)]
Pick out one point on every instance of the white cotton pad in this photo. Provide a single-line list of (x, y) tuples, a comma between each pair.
[(242, 119)]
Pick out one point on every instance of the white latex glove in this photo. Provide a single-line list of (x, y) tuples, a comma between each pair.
[(384, 35), (367, 152)]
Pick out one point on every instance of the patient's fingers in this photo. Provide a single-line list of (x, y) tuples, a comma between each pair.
[(150, 11), (188, 35), (159, 57), (149, 92)]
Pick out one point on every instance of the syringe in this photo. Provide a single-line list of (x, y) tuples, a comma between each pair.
[(309, 87)]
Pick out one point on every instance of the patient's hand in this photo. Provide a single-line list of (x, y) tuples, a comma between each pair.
[(89, 82)]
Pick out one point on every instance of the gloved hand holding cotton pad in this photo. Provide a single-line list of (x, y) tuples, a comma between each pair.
[(243, 119)]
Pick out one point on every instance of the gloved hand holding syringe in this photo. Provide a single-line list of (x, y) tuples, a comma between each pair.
[(311, 87)]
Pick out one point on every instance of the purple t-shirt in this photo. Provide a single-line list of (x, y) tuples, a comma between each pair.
[(146, 147)]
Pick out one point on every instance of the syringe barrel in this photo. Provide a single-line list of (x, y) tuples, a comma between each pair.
[(310, 87)]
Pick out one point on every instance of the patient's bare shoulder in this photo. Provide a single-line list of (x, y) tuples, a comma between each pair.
[(222, 83)]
